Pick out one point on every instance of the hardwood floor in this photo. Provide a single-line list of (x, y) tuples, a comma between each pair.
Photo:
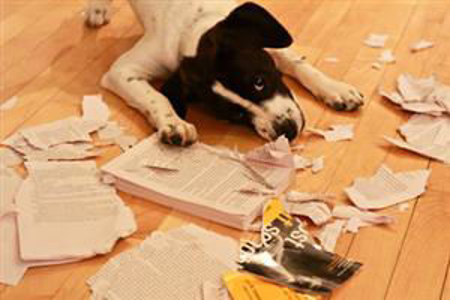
[(49, 60)]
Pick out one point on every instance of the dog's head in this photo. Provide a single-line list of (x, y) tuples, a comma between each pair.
[(238, 78)]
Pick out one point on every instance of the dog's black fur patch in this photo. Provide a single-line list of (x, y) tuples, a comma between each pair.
[(232, 52)]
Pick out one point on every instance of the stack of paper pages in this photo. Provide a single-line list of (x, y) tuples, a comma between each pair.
[(202, 180), (167, 266)]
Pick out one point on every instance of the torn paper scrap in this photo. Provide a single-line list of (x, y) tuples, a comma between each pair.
[(354, 224), (61, 199), (167, 260), (376, 40), (95, 109), (387, 57), (301, 162), (421, 95), (386, 188), (9, 157), (329, 235), (294, 196), (317, 212), (318, 164), (17, 142), (214, 291), (126, 142), (424, 130), (332, 60), (9, 104), (74, 151), (111, 131), (421, 45), (336, 133), (437, 152), (348, 212), (58, 132), (277, 153)]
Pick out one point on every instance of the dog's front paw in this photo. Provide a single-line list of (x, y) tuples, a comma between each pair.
[(340, 96), (97, 14), (178, 132)]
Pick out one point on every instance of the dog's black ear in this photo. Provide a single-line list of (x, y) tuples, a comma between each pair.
[(257, 27), (192, 78)]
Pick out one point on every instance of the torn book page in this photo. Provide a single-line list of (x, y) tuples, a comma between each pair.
[(301, 162), (421, 95), (329, 235), (9, 157), (9, 104), (424, 130), (318, 164), (386, 188), (386, 57), (12, 268), (437, 152), (297, 197), (167, 260), (317, 212), (421, 45), (95, 109), (348, 212), (206, 183), (67, 199), (59, 132), (376, 40), (74, 151), (336, 133)]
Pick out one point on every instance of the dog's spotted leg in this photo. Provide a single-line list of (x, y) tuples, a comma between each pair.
[(97, 13), (336, 94)]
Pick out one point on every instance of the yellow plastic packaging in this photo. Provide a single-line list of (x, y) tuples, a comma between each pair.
[(243, 286)]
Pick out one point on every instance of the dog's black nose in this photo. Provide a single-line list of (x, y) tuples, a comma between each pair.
[(287, 127)]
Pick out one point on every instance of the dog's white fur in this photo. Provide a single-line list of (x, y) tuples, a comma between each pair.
[(172, 30)]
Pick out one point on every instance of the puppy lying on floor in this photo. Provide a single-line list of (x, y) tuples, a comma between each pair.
[(229, 56)]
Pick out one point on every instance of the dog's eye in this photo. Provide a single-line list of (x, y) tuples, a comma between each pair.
[(259, 83)]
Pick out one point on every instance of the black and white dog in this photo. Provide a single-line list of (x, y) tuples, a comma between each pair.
[(230, 56)]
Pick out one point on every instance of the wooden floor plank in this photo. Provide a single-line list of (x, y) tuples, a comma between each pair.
[(446, 290), (70, 61)]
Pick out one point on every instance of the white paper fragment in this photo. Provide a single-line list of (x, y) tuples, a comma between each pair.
[(376, 40), (126, 142), (421, 45), (332, 60), (354, 224), (403, 206), (176, 263), (349, 212), (214, 291), (9, 157), (58, 132), (60, 200), (110, 132), (9, 104), (426, 95), (336, 133), (63, 152), (301, 162), (376, 66), (95, 109), (329, 235), (386, 188), (434, 151), (318, 164), (387, 57), (294, 196), (317, 212), (19, 144)]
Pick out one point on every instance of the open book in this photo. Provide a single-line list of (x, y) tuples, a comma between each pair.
[(200, 180)]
